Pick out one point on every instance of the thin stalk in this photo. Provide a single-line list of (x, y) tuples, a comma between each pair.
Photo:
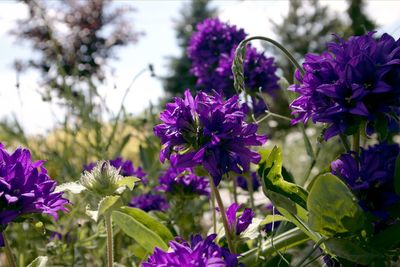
[(110, 243), (356, 142), (228, 233), (214, 212), (286, 240), (345, 142), (8, 251), (235, 197), (251, 192), (312, 164), (308, 255)]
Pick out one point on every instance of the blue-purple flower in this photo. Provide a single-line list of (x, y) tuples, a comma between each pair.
[(355, 81), (183, 181), (26, 188), (149, 202), (210, 131), (126, 168), (212, 50), (242, 182), (371, 176), (238, 224), (199, 253)]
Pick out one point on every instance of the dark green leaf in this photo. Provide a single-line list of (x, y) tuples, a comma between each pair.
[(397, 176)]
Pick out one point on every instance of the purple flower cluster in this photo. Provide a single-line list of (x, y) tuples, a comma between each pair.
[(125, 167), (371, 176), (25, 187), (355, 81), (242, 182), (212, 50), (199, 253), (238, 224), (210, 131), (183, 181), (149, 202)]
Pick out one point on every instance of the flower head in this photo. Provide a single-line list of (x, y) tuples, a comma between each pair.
[(212, 50), (353, 82), (242, 182), (210, 131), (370, 176), (183, 180), (199, 253), (125, 167), (149, 201), (239, 224), (25, 187)]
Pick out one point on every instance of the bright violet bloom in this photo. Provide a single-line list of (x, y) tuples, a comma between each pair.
[(355, 81), (199, 253), (210, 131), (183, 181), (242, 182), (371, 176), (25, 187), (238, 224), (125, 167), (149, 201), (212, 50)]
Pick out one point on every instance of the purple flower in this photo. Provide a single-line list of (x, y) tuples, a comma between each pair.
[(183, 181), (242, 182), (125, 166), (212, 50), (149, 201), (199, 253), (210, 131), (370, 176), (238, 224), (25, 187), (355, 81)]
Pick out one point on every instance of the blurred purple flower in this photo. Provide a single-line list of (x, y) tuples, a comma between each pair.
[(184, 181), (355, 81), (199, 253), (238, 224), (149, 202), (212, 50), (370, 176), (126, 168), (25, 187), (242, 182), (210, 131)]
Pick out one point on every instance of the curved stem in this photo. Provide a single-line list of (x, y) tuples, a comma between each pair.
[(228, 232), (8, 251), (110, 243)]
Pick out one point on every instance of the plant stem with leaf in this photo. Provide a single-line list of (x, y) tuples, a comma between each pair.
[(110, 241), (8, 251)]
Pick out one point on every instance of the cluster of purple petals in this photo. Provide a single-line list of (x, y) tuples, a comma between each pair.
[(355, 81), (25, 187), (210, 131), (149, 202), (183, 181), (371, 176), (238, 224), (212, 50), (255, 181), (199, 253), (126, 168)]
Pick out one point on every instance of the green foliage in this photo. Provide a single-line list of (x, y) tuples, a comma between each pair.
[(360, 22)]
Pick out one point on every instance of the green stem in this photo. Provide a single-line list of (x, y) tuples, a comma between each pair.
[(312, 164), (228, 232), (288, 239), (214, 212), (345, 142), (251, 192), (235, 197), (356, 142), (8, 251), (110, 245)]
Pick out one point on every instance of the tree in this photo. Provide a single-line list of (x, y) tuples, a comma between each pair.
[(179, 77), (360, 23), (306, 28)]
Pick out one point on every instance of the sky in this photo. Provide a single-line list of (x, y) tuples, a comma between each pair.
[(156, 20)]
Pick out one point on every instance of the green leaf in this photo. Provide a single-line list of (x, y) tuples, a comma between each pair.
[(387, 239), (145, 237), (273, 218), (270, 172), (350, 250), (150, 222), (332, 207), (40, 261), (108, 204), (397, 176), (74, 188), (128, 182)]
